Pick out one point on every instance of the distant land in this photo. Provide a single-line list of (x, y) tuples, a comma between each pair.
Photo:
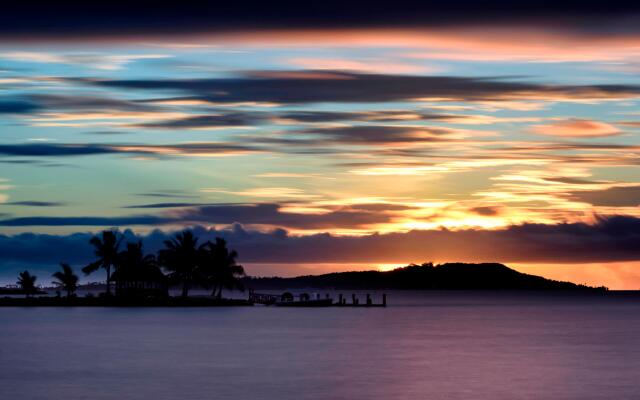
[(449, 276)]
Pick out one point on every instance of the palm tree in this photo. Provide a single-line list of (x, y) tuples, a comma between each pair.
[(133, 257), (181, 258), (66, 279), (27, 282), (219, 267), (138, 274), (106, 249)]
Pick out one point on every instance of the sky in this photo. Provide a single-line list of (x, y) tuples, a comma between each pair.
[(323, 137)]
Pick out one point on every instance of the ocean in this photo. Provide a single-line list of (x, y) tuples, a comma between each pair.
[(434, 345)]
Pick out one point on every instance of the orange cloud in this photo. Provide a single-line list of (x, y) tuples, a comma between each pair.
[(573, 127)]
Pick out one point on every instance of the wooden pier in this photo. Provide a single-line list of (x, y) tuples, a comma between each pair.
[(287, 299)]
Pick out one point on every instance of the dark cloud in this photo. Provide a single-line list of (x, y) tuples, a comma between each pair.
[(380, 134), (337, 86), (175, 194), (20, 161), (85, 221), (236, 119), (625, 196), (166, 205), (36, 203), (572, 180), (95, 103), (28, 104), (78, 149), (249, 214), (269, 214), (17, 107), (606, 240), (34, 150), (22, 20), (36, 163), (486, 210)]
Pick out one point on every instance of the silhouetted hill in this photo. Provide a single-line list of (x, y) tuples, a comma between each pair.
[(453, 276)]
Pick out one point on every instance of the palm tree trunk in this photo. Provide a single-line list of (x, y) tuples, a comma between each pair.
[(109, 280)]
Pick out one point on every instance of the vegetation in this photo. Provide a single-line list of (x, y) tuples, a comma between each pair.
[(27, 283), (66, 279), (218, 268), (181, 258), (106, 250), (212, 265)]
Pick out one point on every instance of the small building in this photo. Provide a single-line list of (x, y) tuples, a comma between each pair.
[(140, 282)]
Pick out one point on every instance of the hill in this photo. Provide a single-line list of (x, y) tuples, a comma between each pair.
[(449, 276)]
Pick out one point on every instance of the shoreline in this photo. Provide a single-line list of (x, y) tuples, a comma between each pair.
[(120, 302)]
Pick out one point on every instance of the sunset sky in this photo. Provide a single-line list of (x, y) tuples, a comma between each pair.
[(319, 141)]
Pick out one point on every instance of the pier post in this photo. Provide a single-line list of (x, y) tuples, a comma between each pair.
[(353, 299), (384, 299), (340, 299), (368, 299)]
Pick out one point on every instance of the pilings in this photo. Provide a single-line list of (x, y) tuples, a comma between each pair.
[(355, 301)]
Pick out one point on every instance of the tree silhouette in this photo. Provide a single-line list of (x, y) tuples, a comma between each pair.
[(27, 282), (138, 274), (181, 258), (66, 279), (106, 249), (133, 257), (219, 267)]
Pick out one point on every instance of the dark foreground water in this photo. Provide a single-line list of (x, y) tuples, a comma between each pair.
[(424, 346)]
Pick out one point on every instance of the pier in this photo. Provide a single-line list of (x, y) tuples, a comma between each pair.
[(288, 299)]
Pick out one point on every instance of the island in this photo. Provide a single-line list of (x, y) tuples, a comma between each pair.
[(428, 276)]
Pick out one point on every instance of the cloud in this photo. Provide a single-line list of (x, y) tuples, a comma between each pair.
[(373, 65), (379, 116), (166, 205), (607, 240), (617, 196), (85, 221), (17, 107), (172, 193), (252, 118), (632, 124), (285, 87), (344, 217), (34, 150), (581, 128), (486, 210), (85, 102), (382, 134), (92, 60), (36, 203), (228, 120), (204, 149), (69, 22)]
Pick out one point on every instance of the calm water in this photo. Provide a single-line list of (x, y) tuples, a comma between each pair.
[(429, 346)]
